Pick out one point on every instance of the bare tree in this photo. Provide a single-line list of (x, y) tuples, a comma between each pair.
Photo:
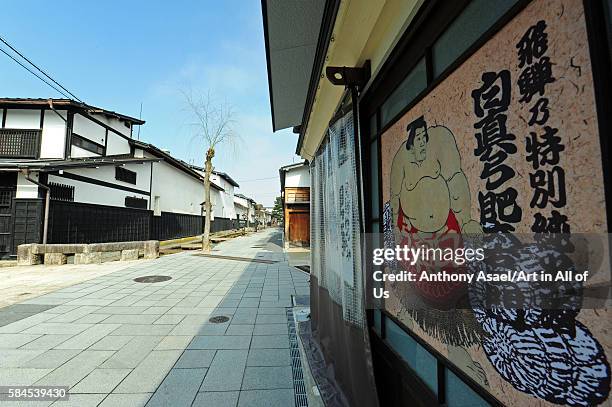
[(213, 126)]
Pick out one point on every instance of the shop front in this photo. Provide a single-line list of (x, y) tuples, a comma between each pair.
[(427, 120)]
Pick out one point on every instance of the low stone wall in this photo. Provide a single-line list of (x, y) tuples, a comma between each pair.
[(30, 254)]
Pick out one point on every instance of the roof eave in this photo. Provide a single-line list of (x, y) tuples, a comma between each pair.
[(327, 26)]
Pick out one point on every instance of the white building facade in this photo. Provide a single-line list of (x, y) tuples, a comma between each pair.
[(103, 184)]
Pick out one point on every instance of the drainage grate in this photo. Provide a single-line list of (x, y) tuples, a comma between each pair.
[(219, 319), (152, 279), (249, 259), (301, 400)]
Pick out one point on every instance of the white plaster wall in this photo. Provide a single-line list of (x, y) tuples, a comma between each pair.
[(22, 119), (53, 140), (117, 145), (101, 195), (88, 129), (178, 191), (240, 211), (297, 177), (114, 123), (226, 196), (26, 189), (96, 194), (78, 152), (107, 173)]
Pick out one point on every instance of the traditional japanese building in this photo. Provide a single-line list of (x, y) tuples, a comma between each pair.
[(447, 118), (295, 192), (73, 173)]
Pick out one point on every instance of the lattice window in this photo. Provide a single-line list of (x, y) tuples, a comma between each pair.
[(125, 175), (61, 192), (86, 144), (5, 197), (133, 202), (19, 143)]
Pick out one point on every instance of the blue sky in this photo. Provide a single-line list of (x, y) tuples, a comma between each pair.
[(117, 54)]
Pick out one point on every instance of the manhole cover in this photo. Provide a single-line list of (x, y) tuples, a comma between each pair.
[(219, 319), (152, 279)]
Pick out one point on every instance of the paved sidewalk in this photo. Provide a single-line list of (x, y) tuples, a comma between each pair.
[(20, 283), (116, 342)]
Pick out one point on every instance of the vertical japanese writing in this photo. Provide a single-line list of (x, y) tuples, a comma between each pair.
[(543, 144), (498, 207)]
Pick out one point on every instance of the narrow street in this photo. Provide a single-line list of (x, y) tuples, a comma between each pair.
[(117, 342)]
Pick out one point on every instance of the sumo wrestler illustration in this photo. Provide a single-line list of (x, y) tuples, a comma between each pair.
[(429, 191), (430, 203)]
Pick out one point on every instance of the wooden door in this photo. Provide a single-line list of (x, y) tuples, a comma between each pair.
[(299, 227)]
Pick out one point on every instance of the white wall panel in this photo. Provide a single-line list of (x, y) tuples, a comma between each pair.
[(53, 135), (26, 189), (88, 129), (22, 119), (297, 177), (178, 192), (117, 145)]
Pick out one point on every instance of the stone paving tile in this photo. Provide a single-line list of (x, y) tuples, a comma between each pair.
[(75, 314), (119, 310), (126, 301), (75, 369), (51, 359), (61, 309), (46, 301), (100, 381), (220, 342), (195, 359), (168, 319), (178, 389), (182, 329), (92, 319), (266, 398), (147, 376), (270, 342), (57, 328), (13, 341), (271, 329), (271, 319), (112, 342), (17, 357), (46, 342), (269, 377), (132, 353), (131, 319), (134, 329), (126, 400), (81, 400), (226, 371), (21, 376), (156, 310), (216, 399), (90, 301), (239, 329), (88, 337), (25, 323), (174, 342), (269, 357)]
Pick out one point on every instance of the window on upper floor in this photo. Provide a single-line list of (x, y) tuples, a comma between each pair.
[(19, 143), (125, 175), (85, 144)]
